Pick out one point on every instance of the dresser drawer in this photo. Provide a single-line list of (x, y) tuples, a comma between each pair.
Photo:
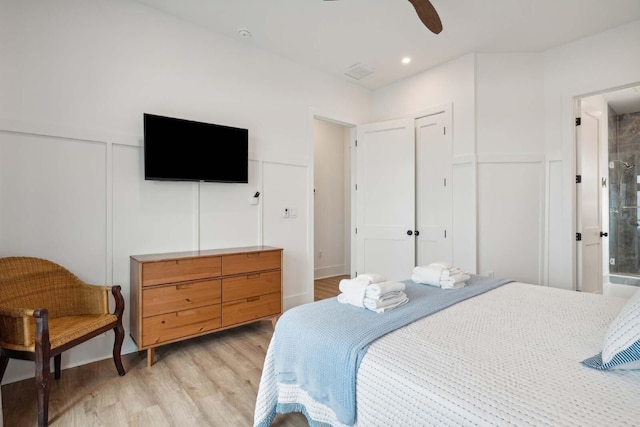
[(181, 324), (251, 285), (250, 261), (251, 308), (180, 270), (180, 296)]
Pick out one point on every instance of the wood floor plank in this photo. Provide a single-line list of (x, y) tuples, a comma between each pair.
[(206, 381), (327, 287)]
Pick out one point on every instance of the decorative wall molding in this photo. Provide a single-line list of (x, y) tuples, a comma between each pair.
[(511, 157), (329, 271)]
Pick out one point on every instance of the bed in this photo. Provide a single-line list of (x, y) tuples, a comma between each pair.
[(510, 355)]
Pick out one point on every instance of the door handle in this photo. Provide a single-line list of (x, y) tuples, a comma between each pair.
[(417, 233), (409, 233), (604, 234)]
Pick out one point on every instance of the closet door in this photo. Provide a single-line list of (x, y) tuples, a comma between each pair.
[(385, 199), (433, 189)]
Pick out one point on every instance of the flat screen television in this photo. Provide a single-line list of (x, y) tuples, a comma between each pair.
[(185, 150)]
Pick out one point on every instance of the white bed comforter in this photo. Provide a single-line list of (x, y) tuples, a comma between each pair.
[(507, 357)]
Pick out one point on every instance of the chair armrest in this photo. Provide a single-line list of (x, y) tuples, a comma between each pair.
[(90, 299), (15, 325), (94, 299), (15, 312), (119, 299)]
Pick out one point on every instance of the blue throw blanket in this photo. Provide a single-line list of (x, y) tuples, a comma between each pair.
[(319, 346)]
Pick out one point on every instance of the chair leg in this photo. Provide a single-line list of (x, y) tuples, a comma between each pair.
[(4, 361), (43, 369), (43, 364), (56, 365), (117, 348)]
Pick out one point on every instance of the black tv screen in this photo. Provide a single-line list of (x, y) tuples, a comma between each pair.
[(185, 150)]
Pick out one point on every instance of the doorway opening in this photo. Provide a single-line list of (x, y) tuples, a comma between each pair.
[(332, 143), (618, 177)]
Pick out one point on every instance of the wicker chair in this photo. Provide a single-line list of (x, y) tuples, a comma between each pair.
[(45, 310)]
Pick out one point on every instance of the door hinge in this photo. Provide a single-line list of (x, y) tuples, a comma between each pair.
[(578, 237), (356, 230), (578, 179), (445, 234), (356, 142), (578, 121), (445, 182), (356, 187), (444, 129)]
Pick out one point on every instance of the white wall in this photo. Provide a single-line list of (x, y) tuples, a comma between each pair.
[(331, 214), (511, 165), (76, 78), (593, 64)]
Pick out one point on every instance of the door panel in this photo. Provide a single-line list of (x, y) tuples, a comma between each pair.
[(385, 198), (590, 255), (433, 193)]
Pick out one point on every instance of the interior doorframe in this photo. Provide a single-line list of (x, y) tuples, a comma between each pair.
[(570, 112), (314, 114)]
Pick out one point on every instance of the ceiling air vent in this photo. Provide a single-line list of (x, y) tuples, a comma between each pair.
[(358, 71)]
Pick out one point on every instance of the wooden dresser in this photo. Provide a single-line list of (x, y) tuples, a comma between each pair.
[(182, 295)]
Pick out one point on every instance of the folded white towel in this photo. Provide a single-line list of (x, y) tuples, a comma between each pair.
[(440, 274), (353, 291), (454, 285), (455, 281), (374, 277), (383, 297), (376, 289), (428, 275), (371, 303), (346, 285), (389, 305), (443, 264), (447, 272)]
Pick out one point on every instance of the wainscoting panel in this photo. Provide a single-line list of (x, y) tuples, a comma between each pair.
[(510, 219), (53, 205), (285, 187), (556, 267), (464, 216)]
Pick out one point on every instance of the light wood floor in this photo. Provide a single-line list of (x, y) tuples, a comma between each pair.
[(207, 381), (327, 287)]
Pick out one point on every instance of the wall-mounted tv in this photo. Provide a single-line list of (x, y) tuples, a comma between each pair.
[(185, 150)]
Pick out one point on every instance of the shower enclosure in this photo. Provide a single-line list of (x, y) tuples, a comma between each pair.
[(624, 198)]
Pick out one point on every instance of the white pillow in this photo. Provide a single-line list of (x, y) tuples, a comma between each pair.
[(621, 349)]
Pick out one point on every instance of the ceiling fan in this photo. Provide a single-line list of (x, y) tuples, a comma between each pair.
[(427, 14)]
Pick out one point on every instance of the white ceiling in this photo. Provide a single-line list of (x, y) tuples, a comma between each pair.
[(334, 35), (625, 100)]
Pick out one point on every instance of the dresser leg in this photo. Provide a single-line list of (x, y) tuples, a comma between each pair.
[(274, 320), (150, 354)]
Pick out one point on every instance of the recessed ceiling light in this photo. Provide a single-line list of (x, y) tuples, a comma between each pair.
[(244, 33), (406, 60)]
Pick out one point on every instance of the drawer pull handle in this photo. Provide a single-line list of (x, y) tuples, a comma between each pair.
[(182, 287), (252, 299), (253, 255), (253, 276)]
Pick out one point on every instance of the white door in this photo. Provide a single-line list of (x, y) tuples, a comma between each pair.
[(385, 199), (588, 192), (433, 185)]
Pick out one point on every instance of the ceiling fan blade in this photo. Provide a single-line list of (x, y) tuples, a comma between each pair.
[(428, 15)]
